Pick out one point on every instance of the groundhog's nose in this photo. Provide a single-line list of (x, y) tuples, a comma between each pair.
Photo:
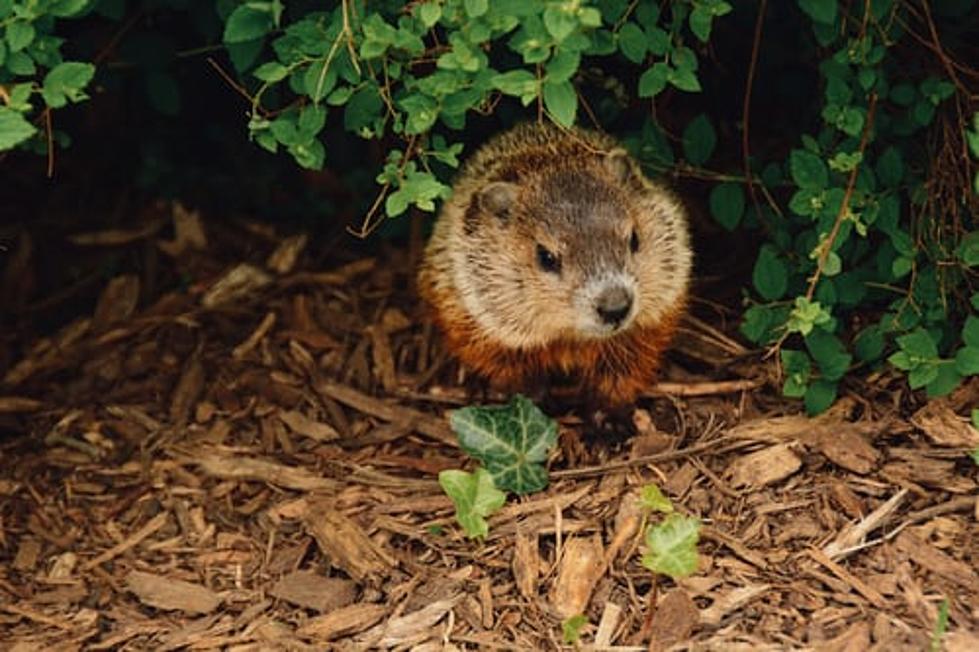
[(614, 304)]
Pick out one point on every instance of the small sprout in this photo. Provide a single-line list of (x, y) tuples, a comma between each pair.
[(941, 626), (673, 546), (475, 497), (571, 628), (653, 499)]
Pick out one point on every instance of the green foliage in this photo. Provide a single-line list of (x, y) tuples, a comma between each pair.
[(512, 441), (672, 546), (475, 498), (33, 73), (941, 627), (571, 628), (652, 498)]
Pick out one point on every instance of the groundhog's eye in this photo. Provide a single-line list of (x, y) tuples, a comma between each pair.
[(634, 241), (547, 260)]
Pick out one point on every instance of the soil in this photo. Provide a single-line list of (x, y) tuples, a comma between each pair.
[(232, 441)]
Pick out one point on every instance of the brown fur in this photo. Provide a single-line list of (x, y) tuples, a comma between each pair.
[(611, 370)]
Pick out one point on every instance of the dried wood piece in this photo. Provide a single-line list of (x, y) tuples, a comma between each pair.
[(944, 427), (347, 546), (134, 540), (582, 565), (300, 424), (246, 347), (848, 449), (117, 237), (250, 468), (345, 621), (412, 628), (611, 615), (283, 259), (311, 590), (188, 232), (526, 563), (383, 359), (731, 602), (761, 468), (16, 404), (931, 558), (27, 554), (855, 639), (426, 424), (172, 594), (239, 282), (872, 595), (847, 540), (188, 391), (674, 620), (117, 302)]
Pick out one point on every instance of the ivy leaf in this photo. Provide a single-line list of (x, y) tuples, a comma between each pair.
[(271, 71), (684, 78), (14, 128), (560, 23), (808, 170), (828, 351), (475, 498), (945, 382), (699, 140), (967, 360), (561, 101), (571, 628), (512, 441), (919, 344), (970, 331), (20, 34), (727, 204), (653, 81), (66, 82), (771, 274), (819, 396), (673, 546), (797, 370)]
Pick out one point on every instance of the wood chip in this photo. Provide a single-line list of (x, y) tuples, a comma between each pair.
[(345, 621), (764, 467), (283, 259), (15, 404), (300, 424), (674, 620), (311, 590), (249, 468), (172, 594), (346, 544), (944, 427), (582, 564), (526, 563), (411, 628), (117, 302), (730, 602), (928, 556), (849, 450), (239, 282)]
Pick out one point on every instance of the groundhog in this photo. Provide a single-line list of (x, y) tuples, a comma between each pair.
[(557, 260)]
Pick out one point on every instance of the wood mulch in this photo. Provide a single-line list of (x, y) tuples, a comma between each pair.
[(249, 462)]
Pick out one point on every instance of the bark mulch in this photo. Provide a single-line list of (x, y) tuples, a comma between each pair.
[(249, 462)]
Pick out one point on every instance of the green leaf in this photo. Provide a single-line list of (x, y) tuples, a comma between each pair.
[(512, 441), (247, 23), (919, 344), (890, 167), (561, 101), (945, 383), (14, 128), (819, 396), (806, 315), (771, 274), (429, 13), (475, 498), (970, 331), (808, 170), (632, 42), (922, 374), (66, 82), (68, 8), (673, 546), (828, 351), (821, 11), (562, 66), (869, 344), (727, 204), (653, 499), (571, 628), (653, 81), (271, 71), (699, 140), (476, 8), (560, 23), (968, 249), (516, 82), (797, 370), (20, 34), (967, 360), (684, 78)]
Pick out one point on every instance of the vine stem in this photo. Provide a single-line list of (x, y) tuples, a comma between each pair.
[(827, 246), (746, 108)]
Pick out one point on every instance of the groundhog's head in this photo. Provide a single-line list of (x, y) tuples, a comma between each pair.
[(576, 249)]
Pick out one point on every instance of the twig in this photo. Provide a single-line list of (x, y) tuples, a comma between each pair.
[(827, 245), (746, 108)]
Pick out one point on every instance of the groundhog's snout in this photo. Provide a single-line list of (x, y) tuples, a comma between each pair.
[(613, 305)]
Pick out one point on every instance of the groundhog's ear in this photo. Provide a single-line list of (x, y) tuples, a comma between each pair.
[(619, 164), (498, 197)]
